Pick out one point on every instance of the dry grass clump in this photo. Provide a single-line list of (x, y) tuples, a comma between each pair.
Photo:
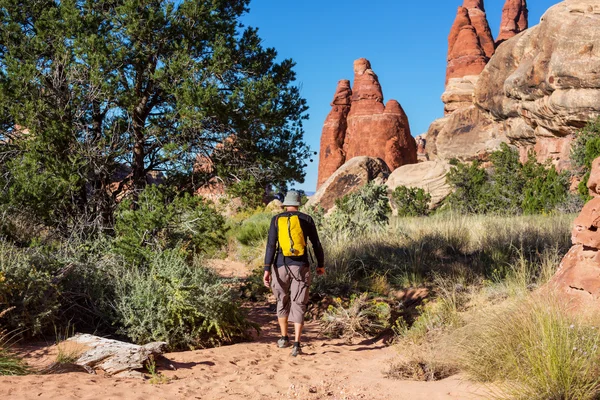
[(535, 349), (360, 317), (420, 369)]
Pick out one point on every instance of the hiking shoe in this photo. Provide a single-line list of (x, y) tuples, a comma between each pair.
[(297, 349), (283, 341)]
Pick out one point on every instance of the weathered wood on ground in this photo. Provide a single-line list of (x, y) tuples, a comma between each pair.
[(115, 357)]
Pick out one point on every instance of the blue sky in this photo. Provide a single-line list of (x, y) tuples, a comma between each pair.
[(406, 42)]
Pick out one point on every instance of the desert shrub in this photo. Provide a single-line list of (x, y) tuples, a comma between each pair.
[(420, 369), (250, 191), (366, 209), (586, 148), (537, 351), (360, 317), (507, 187), (317, 213), (254, 229), (163, 219), (50, 287), (187, 306), (411, 202)]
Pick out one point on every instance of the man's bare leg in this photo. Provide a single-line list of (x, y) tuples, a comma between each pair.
[(298, 331), (283, 326)]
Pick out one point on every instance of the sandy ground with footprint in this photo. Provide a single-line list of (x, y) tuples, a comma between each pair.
[(328, 369)]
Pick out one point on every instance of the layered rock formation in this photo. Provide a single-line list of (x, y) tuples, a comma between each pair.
[(429, 176), (350, 177), (577, 279), (470, 43), (544, 85), (536, 92), (360, 125), (514, 20)]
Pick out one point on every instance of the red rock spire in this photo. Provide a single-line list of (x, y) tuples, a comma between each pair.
[(514, 20), (334, 132)]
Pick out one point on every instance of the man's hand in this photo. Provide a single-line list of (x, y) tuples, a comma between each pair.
[(267, 279), (321, 271)]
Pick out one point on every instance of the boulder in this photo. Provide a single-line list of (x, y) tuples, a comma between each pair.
[(514, 20), (429, 176), (274, 206), (350, 177), (466, 134), (577, 279), (547, 78), (459, 93), (359, 124)]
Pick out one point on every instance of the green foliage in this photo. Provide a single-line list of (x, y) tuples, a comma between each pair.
[(254, 229), (184, 305), (250, 191), (10, 364), (49, 287), (110, 91), (164, 220), (411, 202), (508, 187), (586, 148), (368, 208)]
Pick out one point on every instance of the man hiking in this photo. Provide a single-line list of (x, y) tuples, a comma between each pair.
[(288, 253)]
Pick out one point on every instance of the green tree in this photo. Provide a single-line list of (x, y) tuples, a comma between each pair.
[(584, 150), (411, 202), (137, 86)]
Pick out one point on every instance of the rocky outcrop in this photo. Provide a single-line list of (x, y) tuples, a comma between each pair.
[(350, 177), (466, 134), (429, 176), (514, 20), (359, 124), (334, 132), (539, 88), (470, 43), (577, 279), (544, 84), (459, 93)]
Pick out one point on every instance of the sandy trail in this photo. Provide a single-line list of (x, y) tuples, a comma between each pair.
[(328, 369)]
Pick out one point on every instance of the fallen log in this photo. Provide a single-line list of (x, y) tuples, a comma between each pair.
[(114, 357)]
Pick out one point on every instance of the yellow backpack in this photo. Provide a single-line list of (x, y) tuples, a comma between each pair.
[(290, 236)]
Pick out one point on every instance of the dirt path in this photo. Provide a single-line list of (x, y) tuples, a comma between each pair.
[(329, 369)]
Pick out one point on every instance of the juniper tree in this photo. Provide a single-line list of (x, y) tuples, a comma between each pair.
[(146, 84)]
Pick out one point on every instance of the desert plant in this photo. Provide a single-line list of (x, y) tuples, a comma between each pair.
[(535, 349), (420, 369), (10, 364), (411, 202), (366, 209), (164, 219), (254, 229), (585, 148), (187, 306), (362, 317)]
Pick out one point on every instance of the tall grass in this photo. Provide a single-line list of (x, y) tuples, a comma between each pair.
[(535, 349), (412, 251), (10, 364)]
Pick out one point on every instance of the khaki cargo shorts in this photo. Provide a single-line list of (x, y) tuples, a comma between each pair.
[(290, 286)]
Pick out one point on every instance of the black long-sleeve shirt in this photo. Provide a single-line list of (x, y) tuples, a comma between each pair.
[(308, 229)]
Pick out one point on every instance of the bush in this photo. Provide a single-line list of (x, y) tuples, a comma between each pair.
[(365, 209), (508, 187), (49, 287), (411, 202), (186, 306), (254, 229), (586, 148), (537, 350), (164, 219), (361, 317)]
